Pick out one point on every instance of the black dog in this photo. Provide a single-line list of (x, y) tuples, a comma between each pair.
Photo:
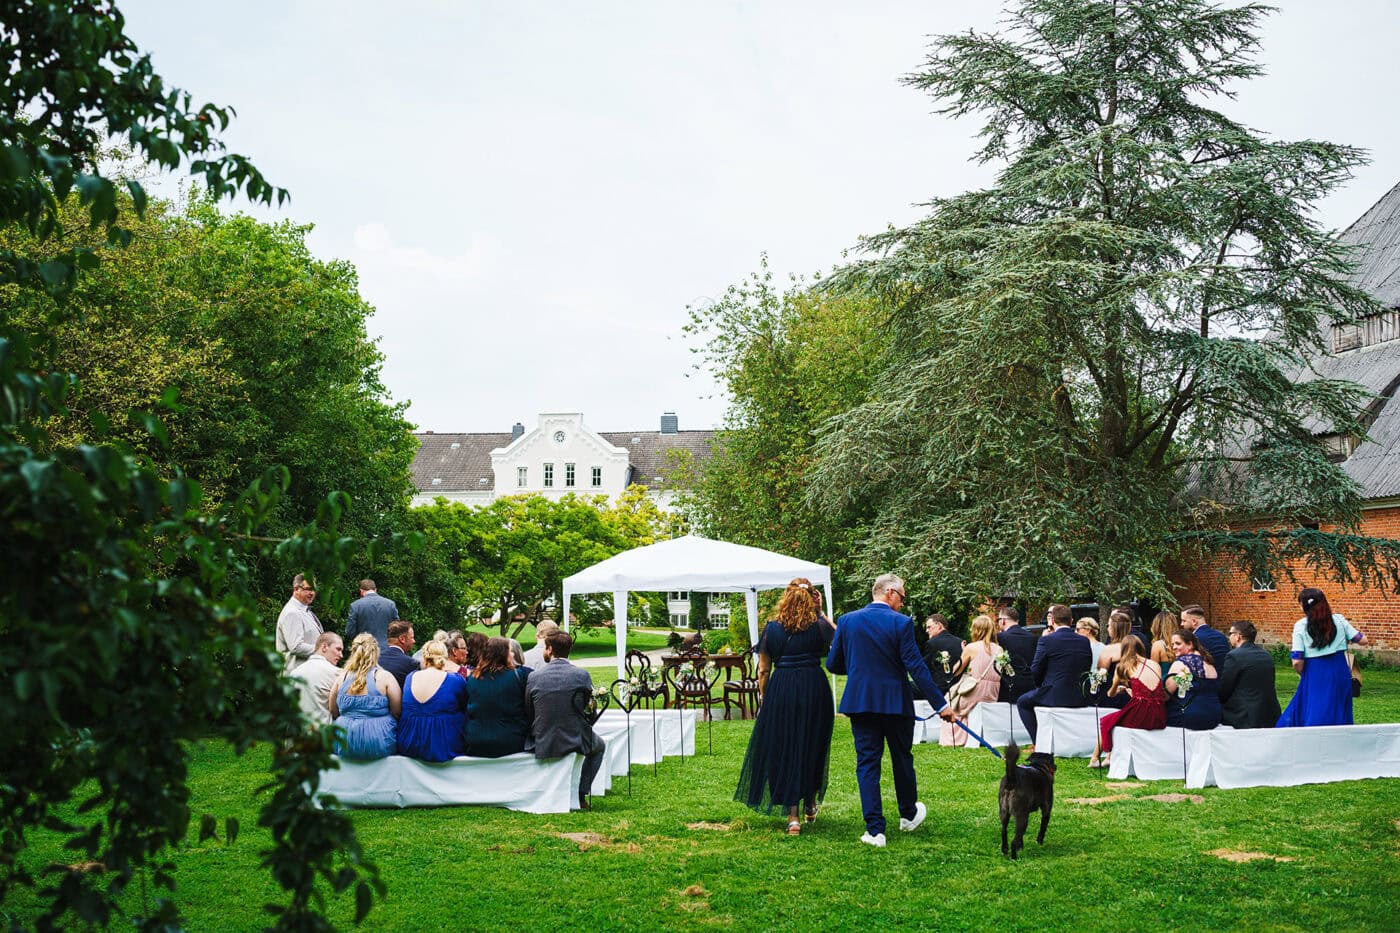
[(1027, 787)]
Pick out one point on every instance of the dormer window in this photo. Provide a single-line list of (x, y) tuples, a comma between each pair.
[(1339, 446), (1367, 332)]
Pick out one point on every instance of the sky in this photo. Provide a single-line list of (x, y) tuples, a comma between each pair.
[(533, 193)]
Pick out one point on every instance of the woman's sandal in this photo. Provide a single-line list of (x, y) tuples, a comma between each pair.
[(794, 827), (1095, 763)]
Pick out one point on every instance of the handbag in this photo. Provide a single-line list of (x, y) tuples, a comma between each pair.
[(1355, 675), (965, 685)]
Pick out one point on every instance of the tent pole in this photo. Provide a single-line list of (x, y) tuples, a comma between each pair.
[(620, 627)]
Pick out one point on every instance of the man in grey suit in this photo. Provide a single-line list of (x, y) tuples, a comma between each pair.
[(557, 696), (1248, 697), (371, 613)]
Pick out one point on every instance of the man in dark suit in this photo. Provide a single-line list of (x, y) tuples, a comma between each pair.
[(1061, 660), (556, 704), (1248, 698), (397, 658), (942, 644), (1018, 642), (875, 648), (371, 613), (1194, 618)]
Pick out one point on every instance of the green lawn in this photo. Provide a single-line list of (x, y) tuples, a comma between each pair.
[(589, 643), (680, 853)]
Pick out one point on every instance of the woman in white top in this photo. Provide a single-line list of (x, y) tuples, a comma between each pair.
[(1320, 642)]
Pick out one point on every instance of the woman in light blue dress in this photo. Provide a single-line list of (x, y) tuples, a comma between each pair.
[(365, 703), (1320, 642)]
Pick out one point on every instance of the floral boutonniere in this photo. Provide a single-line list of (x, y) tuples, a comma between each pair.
[(944, 660)]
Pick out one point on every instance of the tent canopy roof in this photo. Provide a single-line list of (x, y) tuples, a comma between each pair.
[(692, 563)]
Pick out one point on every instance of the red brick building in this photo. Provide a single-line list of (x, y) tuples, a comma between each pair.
[(1368, 353)]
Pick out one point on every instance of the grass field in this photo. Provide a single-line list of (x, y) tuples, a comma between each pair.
[(589, 643), (679, 853)]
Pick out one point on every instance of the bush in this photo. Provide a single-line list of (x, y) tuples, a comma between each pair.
[(715, 640), (738, 633)]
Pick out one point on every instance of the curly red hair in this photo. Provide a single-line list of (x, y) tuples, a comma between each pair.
[(798, 608)]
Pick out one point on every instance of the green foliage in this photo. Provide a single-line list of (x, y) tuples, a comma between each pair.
[(126, 597), (699, 610), (789, 361), (739, 623), (716, 640), (1101, 336)]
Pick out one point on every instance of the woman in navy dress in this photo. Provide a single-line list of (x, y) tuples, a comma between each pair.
[(1196, 707), (496, 723), (434, 709), (1320, 640), (786, 762)]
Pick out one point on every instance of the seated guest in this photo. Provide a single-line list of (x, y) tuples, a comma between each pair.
[(1061, 661), (978, 662), (1119, 628), (1196, 707), (1248, 698), (439, 635), (318, 675), (397, 658), (476, 641), (1163, 624), (457, 653), (1019, 642), (534, 658), (1141, 679), (556, 698), (365, 702), (517, 654), (434, 709), (496, 720), (942, 652), (1089, 628), (1214, 642)]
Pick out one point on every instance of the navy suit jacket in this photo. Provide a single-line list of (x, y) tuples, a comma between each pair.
[(875, 648), (1019, 642), (394, 660), (1062, 658), (1248, 697), (371, 613), (1216, 643)]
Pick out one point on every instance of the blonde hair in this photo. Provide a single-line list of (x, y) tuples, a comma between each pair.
[(1092, 624), (984, 630), (364, 655), (798, 608), (435, 654), (1163, 625)]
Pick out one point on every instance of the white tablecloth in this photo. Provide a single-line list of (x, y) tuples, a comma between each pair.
[(925, 722), (615, 758), (518, 782), (673, 733), (998, 723), (1067, 732), (1311, 755), (1159, 755)]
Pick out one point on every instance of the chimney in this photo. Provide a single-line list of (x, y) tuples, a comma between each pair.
[(516, 431), (670, 424)]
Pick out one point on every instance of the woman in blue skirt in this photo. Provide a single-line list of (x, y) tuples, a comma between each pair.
[(1320, 642), (786, 763)]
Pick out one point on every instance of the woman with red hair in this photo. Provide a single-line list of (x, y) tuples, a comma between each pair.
[(1320, 640)]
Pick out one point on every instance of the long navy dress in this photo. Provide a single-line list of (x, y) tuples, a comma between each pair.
[(786, 763), (1200, 708)]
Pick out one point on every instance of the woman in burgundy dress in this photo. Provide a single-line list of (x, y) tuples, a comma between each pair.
[(1147, 708)]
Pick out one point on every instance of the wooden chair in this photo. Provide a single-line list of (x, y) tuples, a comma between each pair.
[(743, 691), (693, 681), (651, 686)]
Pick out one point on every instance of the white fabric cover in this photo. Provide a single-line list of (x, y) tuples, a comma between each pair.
[(694, 564), (1156, 754), (925, 723), (1306, 755), (614, 758), (655, 739), (517, 782), (1067, 732), (995, 722)]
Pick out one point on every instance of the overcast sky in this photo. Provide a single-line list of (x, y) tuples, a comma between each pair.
[(533, 192)]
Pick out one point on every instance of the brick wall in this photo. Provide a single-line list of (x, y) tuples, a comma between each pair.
[(1228, 595)]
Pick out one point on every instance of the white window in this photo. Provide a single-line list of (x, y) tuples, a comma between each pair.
[(719, 620), (1264, 583), (679, 620), (678, 596), (548, 474), (597, 476), (522, 476), (568, 474)]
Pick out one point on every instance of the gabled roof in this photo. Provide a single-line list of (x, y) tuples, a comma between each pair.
[(1376, 235), (647, 451)]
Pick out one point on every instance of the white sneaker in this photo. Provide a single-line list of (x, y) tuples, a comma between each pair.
[(877, 840), (920, 811)]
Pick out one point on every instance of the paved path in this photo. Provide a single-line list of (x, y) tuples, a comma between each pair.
[(610, 660)]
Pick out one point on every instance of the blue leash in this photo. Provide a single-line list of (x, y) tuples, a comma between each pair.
[(963, 726)]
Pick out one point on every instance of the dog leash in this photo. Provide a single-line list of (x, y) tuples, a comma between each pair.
[(963, 726)]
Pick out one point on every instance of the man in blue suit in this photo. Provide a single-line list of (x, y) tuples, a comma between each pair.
[(1194, 618), (875, 648), (1062, 658), (371, 613)]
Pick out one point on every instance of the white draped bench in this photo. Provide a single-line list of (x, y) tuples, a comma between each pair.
[(670, 733), (1068, 732), (989, 720), (517, 782), (1164, 754)]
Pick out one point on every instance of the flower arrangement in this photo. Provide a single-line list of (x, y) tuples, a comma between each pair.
[(1184, 681), (599, 692), (944, 660), (1002, 663), (1095, 679)]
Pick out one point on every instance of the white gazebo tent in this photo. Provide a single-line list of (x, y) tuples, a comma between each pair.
[(698, 565)]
